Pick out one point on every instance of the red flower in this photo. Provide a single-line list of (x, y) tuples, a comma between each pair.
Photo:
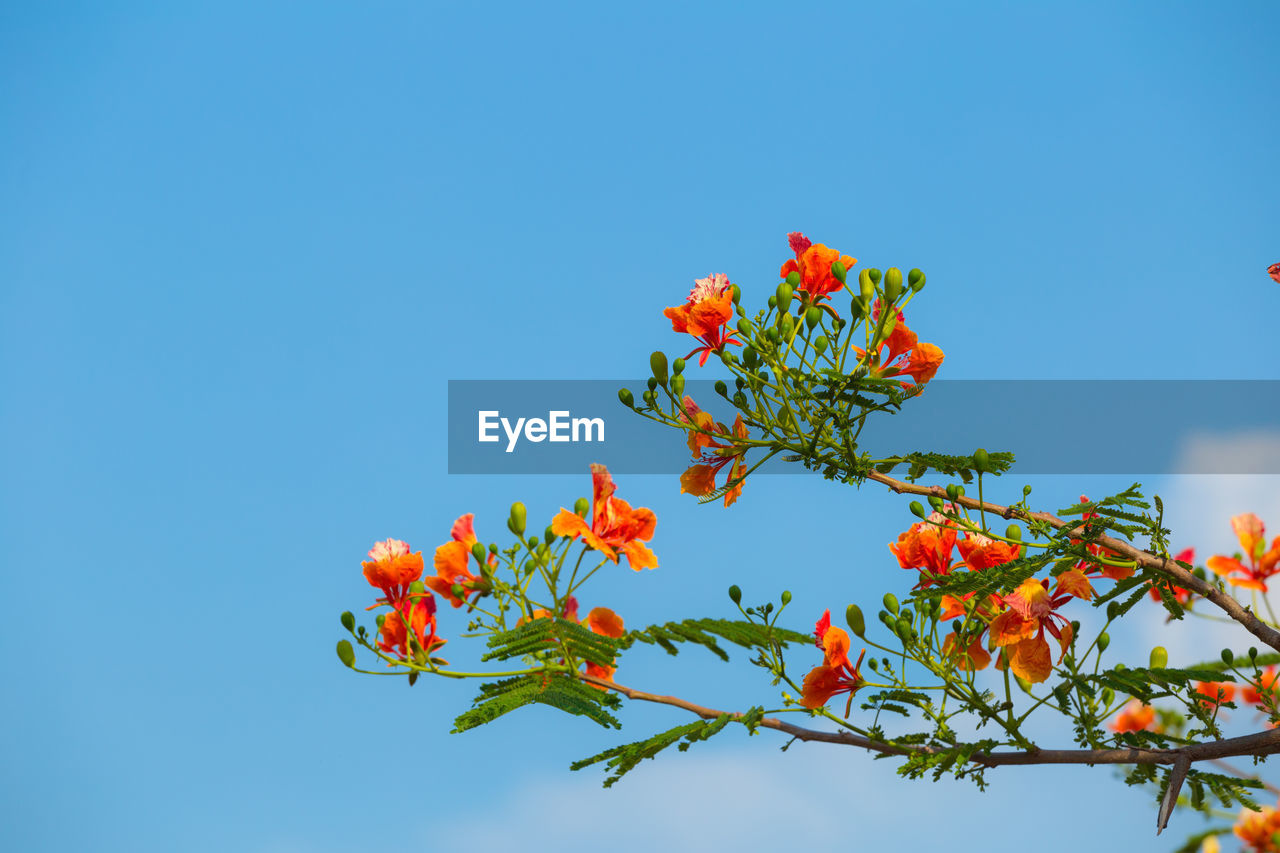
[(413, 616), (615, 527), (391, 568), (1033, 612), (452, 561), (812, 263), (712, 455), (901, 354), (927, 545), (1134, 717), (704, 315), (835, 675), (1262, 563), (1274, 272)]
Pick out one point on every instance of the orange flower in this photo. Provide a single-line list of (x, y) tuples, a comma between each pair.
[(416, 613), (835, 675), (1134, 717), (1274, 272), (1259, 829), (973, 658), (1266, 685), (813, 263), (615, 527), (1033, 611), (704, 315), (391, 568), (901, 354), (1182, 596), (602, 620), (1262, 563), (713, 455), (982, 552), (1217, 692), (927, 545), (454, 580)]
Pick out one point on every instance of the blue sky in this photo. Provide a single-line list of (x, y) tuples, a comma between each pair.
[(243, 247)]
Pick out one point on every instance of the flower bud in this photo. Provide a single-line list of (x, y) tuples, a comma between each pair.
[(735, 594), (773, 335), (1104, 640), (853, 616), (786, 597), (1253, 653), (773, 302), (581, 506), (382, 617), (904, 629), (658, 364), (1113, 609), (1108, 695), (624, 396), (721, 388), (745, 327), (549, 535), (516, 522), (866, 287), (813, 316), (1159, 658), (787, 326), (348, 621), (838, 270), (1228, 656), (856, 309), (954, 491), (936, 502), (1013, 531), (875, 275), (793, 278), (917, 509), (891, 603), (737, 294), (346, 654), (651, 384), (457, 591), (677, 384), (981, 461), (820, 344), (915, 279), (417, 588), (784, 294), (478, 551), (650, 398), (677, 366), (893, 284)]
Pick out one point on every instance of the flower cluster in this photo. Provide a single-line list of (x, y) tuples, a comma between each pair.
[(410, 627)]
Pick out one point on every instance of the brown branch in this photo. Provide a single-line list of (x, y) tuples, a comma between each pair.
[(1184, 578), (1258, 744)]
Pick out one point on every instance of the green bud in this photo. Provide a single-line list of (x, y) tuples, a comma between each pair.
[(624, 396), (981, 461), (784, 294), (866, 287), (1026, 492), (1108, 696), (677, 385), (458, 591), (658, 364), (856, 309), (891, 603), (786, 597), (813, 316), (417, 588), (773, 335), (346, 654), (874, 274), (677, 366), (793, 278), (773, 302), (853, 616), (904, 630), (1013, 531), (348, 621), (533, 541), (735, 594), (875, 667), (838, 270), (820, 344), (581, 506), (787, 326), (1113, 610), (516, 522), (917, 509), (1253, 653), (737, 294), (651, 383), (382, 617), (893, 284), (1023, 683), (914, 277), (936, 502), (478, 551), (1159, 658), (721, 388), (745, 327), (1104, 640), (953, 491), (549, 535), (1228, 656)]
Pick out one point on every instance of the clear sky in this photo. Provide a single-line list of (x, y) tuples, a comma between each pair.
[(243, 246)]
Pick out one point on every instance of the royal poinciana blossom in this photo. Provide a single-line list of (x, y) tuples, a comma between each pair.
[(712, 445), (454, 580), (1258, 563), (902, 354), (813, 263), (615, 528), (835, 675), (704, 315)]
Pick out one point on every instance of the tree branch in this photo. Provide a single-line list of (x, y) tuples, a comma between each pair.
[(1184, 578)]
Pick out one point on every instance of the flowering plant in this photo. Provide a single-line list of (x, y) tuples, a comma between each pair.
[(984, 637)]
